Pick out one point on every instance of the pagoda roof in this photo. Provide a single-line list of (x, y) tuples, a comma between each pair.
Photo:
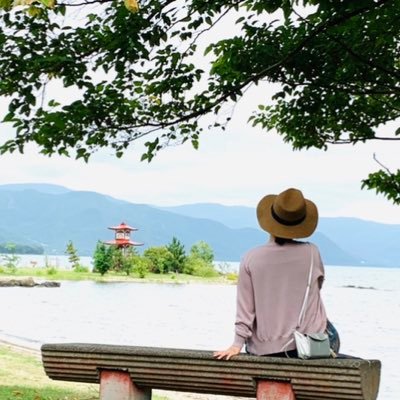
[(123, 242), (122, 227)]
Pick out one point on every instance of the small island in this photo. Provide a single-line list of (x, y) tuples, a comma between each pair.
[(119, 261)]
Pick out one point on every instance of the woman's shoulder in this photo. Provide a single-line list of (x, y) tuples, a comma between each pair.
[(314, 246), (255, 251), (305, 243), (272, 246)]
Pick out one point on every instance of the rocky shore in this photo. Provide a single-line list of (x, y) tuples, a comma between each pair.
[(27, 282)]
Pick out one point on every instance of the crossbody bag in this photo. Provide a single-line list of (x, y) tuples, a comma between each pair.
[(311, 345)]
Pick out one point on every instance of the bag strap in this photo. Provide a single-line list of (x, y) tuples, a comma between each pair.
[(303, 307)]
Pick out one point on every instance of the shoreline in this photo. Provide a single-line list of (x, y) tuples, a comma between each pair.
[(19, 347), (67, 276)]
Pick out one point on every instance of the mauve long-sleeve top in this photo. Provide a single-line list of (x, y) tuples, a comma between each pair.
[(271, 287)]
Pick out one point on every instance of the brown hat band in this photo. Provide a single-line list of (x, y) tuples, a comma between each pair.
[(285, 222)]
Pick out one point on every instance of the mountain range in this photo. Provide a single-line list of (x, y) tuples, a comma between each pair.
[(51, 215)]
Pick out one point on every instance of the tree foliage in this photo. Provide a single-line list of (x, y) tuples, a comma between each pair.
[(73, 256), (178, 255), (21, 248), (117, 258), (10, 259), (135, 67), (129, 261), (102, 258), (160, 259), (203, 251), (140, 265), (200, 260)]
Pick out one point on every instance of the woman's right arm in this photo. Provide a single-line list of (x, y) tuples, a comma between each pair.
[(320, 267)]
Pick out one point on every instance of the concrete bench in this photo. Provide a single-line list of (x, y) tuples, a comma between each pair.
[(130, 373)]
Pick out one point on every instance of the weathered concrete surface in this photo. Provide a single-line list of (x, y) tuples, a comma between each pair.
[(27, 282), (118, 385), (198, 372), (271, 390)]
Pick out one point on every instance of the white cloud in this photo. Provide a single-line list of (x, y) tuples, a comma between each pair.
[(234, 167), (238, 167)]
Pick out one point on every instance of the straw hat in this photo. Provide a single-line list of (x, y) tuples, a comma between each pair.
[(287, 215)]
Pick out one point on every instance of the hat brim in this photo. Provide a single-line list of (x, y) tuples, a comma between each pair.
[(269, 224)]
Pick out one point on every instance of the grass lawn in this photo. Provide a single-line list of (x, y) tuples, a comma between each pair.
[(22, 377)]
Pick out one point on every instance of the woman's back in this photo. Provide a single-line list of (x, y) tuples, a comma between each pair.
[(277, 275)]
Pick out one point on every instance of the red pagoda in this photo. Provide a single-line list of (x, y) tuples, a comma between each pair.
[(123, 236)]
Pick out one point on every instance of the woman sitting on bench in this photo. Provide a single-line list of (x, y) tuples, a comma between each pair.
[(273, 280)]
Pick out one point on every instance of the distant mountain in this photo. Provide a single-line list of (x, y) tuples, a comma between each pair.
[(51, 220), (39, 187), (232, 216), (367, 242), (50, 216), (377, 243)]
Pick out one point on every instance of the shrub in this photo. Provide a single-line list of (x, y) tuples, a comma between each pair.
[(198, 267), (231, 276), (11, 269), (51, 270), (159, 259), (81, 268), (140, 266)]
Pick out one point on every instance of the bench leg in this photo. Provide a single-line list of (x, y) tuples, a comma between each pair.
[(271, 390), (118, 385)]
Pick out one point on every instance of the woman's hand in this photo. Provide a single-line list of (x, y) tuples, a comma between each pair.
[(227, 354)]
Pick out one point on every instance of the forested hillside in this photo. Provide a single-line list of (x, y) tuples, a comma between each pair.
[(47, 217)]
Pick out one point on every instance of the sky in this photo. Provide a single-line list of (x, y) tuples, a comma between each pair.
[(235, 167)]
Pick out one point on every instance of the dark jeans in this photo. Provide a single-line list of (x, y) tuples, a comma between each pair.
[(334, 338)]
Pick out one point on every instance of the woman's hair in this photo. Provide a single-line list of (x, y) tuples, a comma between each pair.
[(282, 241)]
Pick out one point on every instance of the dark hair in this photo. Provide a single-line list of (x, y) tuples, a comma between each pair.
[(281, 241)]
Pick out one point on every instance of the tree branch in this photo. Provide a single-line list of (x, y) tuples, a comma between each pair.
[(393, 73), (85, 3), (383, 166), (353, 141), (290, 55)]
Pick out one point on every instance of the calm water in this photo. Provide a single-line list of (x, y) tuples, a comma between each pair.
[(40, 261), (200, 316)]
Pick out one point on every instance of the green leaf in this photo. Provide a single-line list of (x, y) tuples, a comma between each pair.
[(48, 3), (6, 4)]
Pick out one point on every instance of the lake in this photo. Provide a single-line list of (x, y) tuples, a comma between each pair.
[(364, 304), (41, 260)]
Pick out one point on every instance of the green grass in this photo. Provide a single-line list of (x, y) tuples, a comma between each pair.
[(68, 275), (22, 377), (26, 393)]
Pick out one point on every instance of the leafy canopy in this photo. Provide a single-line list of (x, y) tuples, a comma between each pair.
[(134, 67)]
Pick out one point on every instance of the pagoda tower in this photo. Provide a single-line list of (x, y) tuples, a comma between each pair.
[(123, 236)]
